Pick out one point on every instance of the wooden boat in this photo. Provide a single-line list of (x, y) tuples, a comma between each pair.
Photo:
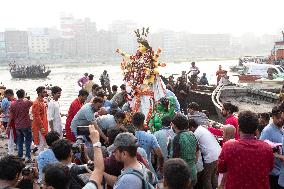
[(19, 74), (248, 78), (245, 98)]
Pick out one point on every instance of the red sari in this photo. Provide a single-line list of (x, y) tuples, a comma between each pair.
[(73, 109)]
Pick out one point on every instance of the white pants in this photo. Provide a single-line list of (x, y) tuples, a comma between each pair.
[(41, 142), (11, 143)]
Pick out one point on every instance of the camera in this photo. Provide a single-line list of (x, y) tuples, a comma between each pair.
[(28, 170), (91, 165), (83, 130), (77, 147)]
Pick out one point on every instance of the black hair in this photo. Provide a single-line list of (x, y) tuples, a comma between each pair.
[(8, 92), (61, 149), (165, 102), (131, 150), (192, 123), (138, 119), (57, 175), (40, 89), (177, 173), (282, 105), (101, 94), (265, 116), (248, 122), (194, 106), (91, 77), (51, 137), (120, 114), (98, 100), (145, 43), (83, 92), (55, 89), (10, 167), (123, 87), (21, 93), (180, 121), (230, 107), (166, 121), (95, 86), (276, 110), (112, 133), (114, 88)]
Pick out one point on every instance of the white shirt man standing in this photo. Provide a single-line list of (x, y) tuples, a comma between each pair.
[(54, 113)]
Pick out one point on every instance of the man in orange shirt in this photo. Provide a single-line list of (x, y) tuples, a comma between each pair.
[(40, 123), (219, 73)]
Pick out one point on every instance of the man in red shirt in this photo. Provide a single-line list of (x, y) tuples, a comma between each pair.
[(228, 111), (19, 114), (220, 72), (74, 108), (248, 161)]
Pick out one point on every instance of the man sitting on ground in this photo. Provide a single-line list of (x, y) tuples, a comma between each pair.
[(47, 157)]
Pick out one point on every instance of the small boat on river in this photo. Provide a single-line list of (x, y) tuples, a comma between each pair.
[(28, 71)]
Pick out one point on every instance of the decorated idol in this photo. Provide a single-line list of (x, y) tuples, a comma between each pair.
[(141, 75)]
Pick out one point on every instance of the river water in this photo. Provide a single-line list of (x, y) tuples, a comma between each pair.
[(66, 76)]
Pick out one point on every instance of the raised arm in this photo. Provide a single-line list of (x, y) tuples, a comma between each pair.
[(97, 175), (123, 54)]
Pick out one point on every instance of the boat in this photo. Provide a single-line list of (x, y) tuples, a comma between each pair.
[(276, 83), (246, 98), (248, 78), (19, 74), (238, 68), (28, 71), (259, 71), (277, 53)]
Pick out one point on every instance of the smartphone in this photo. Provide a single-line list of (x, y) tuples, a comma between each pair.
[(83, 130)]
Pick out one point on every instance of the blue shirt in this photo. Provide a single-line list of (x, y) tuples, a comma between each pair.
[(5, 107), (163, 137), (272, 133), (44, 158), (147, 141), (84, 117), (177, 105)]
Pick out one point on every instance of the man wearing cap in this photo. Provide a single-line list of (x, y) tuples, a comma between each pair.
[(124, 150), (82, 81), (274, 133)]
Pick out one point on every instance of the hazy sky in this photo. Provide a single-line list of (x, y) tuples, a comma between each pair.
[(196, 16)]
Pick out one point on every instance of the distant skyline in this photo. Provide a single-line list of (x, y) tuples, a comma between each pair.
[(195, 16)]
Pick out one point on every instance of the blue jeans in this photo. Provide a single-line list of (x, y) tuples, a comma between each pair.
[(24, 135)]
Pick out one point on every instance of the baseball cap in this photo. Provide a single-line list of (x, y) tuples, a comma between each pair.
[(123, 139)]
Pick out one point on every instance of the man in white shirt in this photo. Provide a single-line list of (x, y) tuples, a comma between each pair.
[(54, 114), (194, 71), (210, 151)]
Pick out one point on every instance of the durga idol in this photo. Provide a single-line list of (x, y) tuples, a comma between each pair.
[(141, 75)]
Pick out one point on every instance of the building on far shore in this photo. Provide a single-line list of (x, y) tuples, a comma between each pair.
[(2, 45), (16, 43), (38, 39)]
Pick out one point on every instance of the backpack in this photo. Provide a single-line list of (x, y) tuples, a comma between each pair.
[(145, 184)]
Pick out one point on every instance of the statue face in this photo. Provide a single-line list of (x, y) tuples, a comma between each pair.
[(142, 48)]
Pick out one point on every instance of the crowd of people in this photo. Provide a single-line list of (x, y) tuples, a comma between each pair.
[(106, 145), (27, 69)]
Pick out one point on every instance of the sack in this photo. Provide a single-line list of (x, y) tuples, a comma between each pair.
[(145, 183)]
